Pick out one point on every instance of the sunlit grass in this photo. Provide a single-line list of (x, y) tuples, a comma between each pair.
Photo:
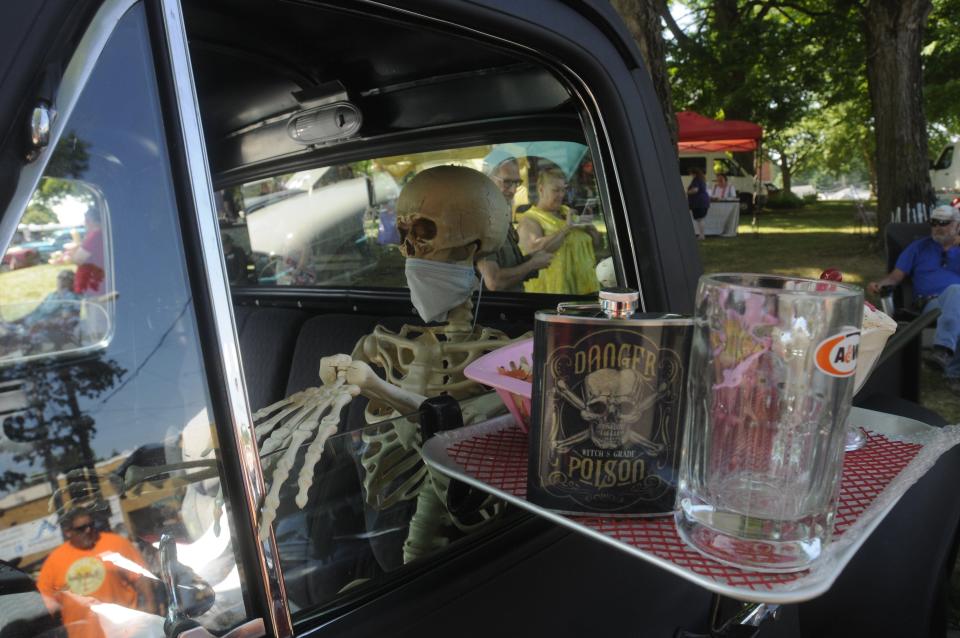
[(22, 290)]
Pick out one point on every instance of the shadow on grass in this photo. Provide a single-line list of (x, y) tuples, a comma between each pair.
[(804, 255)]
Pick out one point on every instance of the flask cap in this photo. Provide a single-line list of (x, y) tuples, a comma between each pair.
[(619, 303)]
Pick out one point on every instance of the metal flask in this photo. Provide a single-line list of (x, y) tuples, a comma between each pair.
[(608, 407)]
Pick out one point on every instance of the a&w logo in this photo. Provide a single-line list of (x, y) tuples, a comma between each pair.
[(837, 355)]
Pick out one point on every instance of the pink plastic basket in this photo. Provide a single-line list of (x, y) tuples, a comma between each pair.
[(515, 393)]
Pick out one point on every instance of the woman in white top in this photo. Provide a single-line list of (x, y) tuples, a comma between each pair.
[(721, 189)]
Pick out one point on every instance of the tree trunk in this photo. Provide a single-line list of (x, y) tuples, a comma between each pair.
[(786, 173), (894, 36), (643, 21), (871, 162), (736, 105)]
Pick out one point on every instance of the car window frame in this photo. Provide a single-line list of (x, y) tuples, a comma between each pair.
[(261, 584)]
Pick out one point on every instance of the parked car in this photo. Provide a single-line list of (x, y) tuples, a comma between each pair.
[(19, 256), (57, 241), (160, 105)]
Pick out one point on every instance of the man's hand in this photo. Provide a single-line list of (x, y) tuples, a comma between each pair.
[(892, 279)]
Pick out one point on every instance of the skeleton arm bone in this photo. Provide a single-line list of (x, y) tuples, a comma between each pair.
[(371, 386)]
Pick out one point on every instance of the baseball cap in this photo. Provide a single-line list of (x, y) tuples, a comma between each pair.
[(945, 213)]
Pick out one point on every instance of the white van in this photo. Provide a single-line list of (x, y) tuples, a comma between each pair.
[(713, 163), (945, 175)]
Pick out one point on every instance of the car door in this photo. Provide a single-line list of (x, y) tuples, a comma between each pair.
[(128, 477)]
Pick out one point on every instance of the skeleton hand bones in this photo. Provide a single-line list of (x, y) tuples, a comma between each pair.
[(360, 374)]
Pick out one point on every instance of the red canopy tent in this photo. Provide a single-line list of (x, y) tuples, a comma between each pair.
[(701, 133)]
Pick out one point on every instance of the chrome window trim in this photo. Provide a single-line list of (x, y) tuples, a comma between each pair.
[(75, 77), (215, 272)]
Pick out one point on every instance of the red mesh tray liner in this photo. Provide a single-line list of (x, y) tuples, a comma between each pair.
[(499, 460)]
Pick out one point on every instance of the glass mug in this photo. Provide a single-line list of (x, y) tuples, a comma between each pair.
[(770, 386)]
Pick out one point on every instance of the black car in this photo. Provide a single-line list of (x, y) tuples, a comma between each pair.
[(291, 127)]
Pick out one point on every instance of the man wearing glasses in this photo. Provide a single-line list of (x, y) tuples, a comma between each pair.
[(508, 268), (92, 567), (934, 265)]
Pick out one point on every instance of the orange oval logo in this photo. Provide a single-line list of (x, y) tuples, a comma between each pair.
[(837, 355)]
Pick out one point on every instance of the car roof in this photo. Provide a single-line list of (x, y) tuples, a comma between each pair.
[(257, 62)]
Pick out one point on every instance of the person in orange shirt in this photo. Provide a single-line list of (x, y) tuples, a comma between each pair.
[(92, 567)]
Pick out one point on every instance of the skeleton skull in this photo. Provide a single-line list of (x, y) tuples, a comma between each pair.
[(612, 404), (451, 214)]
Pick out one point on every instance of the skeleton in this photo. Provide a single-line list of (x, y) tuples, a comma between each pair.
[(610, 405), (445, 214)]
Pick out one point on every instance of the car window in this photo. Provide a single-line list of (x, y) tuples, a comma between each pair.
[(727, 166), (686, 163), (107, 439), (352, 504), (337, 225), (945, 159)]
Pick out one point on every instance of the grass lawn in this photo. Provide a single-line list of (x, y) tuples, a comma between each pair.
[(804, 243), (801, 243), (22, 290)]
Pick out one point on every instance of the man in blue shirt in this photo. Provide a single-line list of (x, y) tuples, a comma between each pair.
[(934, 265)]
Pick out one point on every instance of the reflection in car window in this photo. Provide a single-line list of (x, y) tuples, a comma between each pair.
[(107, 438), (61, 299), (337, 225)]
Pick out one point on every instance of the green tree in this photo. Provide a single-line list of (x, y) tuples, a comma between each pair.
[(894, 35), (750, 60), (782, 63), (70, 161), (941, 84), (846, 147)]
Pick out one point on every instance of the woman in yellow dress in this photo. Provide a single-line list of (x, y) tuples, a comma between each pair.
[(549, 226)]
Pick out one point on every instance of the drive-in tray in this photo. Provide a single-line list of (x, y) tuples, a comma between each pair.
[(492, 456)]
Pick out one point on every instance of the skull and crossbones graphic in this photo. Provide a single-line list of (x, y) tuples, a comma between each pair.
[(611, 403)]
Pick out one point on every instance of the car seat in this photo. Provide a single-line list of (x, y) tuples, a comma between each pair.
[(898, 301)]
